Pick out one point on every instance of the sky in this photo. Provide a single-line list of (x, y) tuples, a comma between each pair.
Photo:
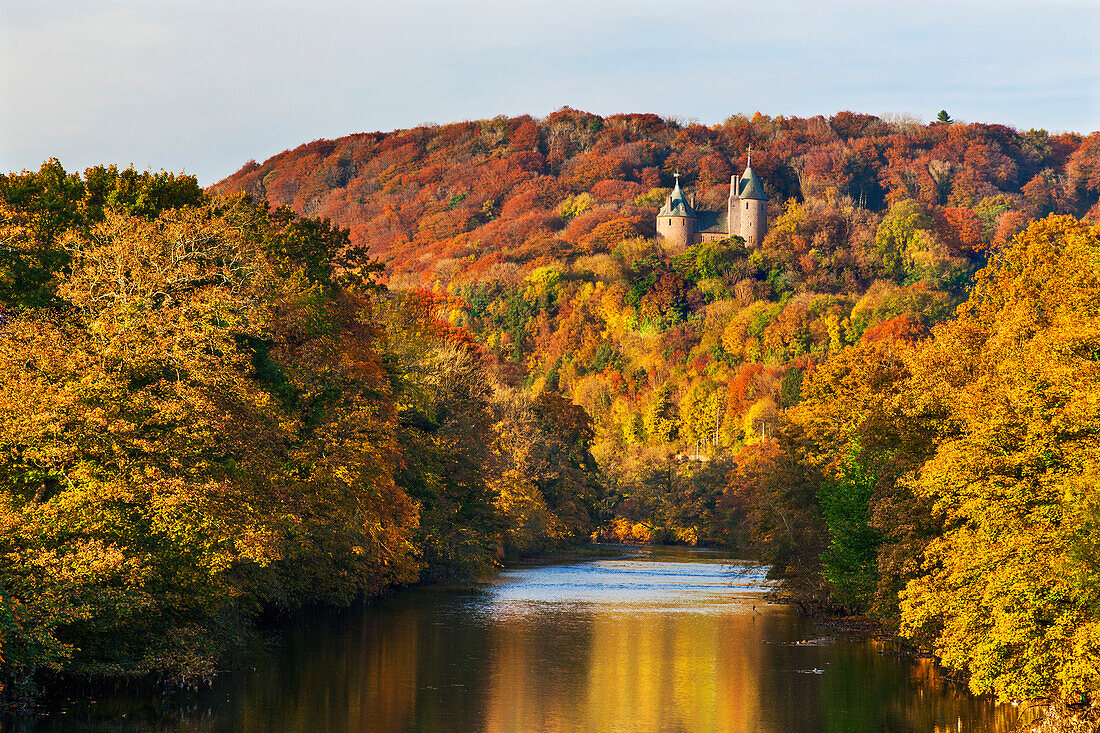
[(203, 86)]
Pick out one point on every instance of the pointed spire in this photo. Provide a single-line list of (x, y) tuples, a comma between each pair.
[(749, 184), (676, 204), (751, 187)]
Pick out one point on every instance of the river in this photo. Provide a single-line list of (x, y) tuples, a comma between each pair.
[(659, 639)]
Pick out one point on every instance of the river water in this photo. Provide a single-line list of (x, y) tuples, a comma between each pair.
[(661, 640)]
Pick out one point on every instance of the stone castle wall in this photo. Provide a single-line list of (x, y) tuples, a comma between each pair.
[(754, 221), (678, 230)]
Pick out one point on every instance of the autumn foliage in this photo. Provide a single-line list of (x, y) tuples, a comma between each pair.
[(407, 355), (887, 454), (210, 410), (442, 202), (957, 474)]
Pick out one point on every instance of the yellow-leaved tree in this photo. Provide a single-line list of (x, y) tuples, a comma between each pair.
[(1010, 592), (201, 427)]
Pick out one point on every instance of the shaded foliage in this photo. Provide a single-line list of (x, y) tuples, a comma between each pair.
[(210, 411)]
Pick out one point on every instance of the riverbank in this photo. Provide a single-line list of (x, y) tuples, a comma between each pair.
[(252, 642), (1036, 716), (1065, 718), (577, 552)]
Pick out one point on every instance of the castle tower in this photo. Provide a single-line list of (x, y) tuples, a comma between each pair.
[(733, 219), (752, 209), (676, 219)]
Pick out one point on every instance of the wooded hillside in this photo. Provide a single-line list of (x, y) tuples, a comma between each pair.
[(536, 237), (454, 201), (818, 399)]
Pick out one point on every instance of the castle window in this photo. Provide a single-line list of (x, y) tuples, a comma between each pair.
[(746, 205)]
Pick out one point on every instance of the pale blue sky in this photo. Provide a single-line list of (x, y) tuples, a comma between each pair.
[(204, 85)]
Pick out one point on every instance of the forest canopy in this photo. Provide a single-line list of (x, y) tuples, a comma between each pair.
[(399, 357), (208, 411)]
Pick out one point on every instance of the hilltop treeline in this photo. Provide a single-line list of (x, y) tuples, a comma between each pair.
[(888, 399), (471, 199), (210, 410)]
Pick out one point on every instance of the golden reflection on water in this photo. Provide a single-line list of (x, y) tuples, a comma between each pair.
[(701, 661), (670, 672), (644, 671)]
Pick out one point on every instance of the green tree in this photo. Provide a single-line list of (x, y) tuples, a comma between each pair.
[(36, 208), (904, 229), (849, 563)]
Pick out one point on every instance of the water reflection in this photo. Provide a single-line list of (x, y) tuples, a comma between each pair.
[(667, 641)]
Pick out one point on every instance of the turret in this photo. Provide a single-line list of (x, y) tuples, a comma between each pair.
[(752, 210), (733, 218), (676, 219)]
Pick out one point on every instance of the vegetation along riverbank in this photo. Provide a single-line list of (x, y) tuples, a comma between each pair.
[(220, 402)]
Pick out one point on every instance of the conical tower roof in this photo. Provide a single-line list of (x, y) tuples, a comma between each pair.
[(677, 204), (751, 188)]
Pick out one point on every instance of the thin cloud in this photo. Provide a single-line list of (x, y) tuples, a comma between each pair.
[(204, 85)]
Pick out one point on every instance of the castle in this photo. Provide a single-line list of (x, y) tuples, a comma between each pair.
[(746, 215)]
